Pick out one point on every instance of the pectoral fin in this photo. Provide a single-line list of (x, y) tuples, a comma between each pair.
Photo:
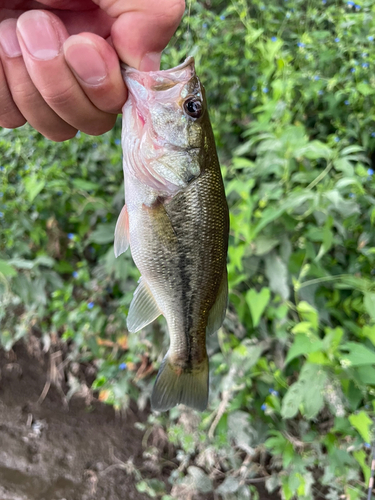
[(217, 313), (122, 232), (143, 308)]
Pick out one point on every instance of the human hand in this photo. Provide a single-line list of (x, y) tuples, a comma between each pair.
[(59, 67)]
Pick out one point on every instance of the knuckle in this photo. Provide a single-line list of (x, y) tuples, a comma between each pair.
[(59, 99), (171, 11)]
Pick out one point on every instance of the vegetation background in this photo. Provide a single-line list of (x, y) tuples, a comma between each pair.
[(291, 92)]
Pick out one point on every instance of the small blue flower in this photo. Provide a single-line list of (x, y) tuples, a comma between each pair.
[(273, 392), (350, 4), (372, 134), (316, 78), (370, 38), (78, 134), (357, 7), (59, 193), (90, 305), (365, 65), (301, 44), (254, 87), (367, 445), (337, 39), (351, 195), (1, 215), (263, 407), (364, 54), (370, 171), (346, 102), (2, 169), (122, 366), (324, 2), (336, 139), (320, 92), (274, 38), (352, 70), (117, 142), (75, 274), (204, 25), (70, 236), (265, 90), (222, 17)]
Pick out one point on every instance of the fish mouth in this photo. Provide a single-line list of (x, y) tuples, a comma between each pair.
[(189, 61)]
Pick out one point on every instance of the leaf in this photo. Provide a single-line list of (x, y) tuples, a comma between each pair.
[(364, 88), (303, 344), (314, 395), (359, 355), (277, 274), (200, 479), (308, 390), (366, 374), (33, 187), (369, 303), (229, 485), (369, 332), (85, 185), (362, 423), (308, 313), (361, 457), (103, 234), (317, 149), (264, 245), (257, 303), (6, 269)]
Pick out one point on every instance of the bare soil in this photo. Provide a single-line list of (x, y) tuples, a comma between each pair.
[(52, 451), (48, 452)]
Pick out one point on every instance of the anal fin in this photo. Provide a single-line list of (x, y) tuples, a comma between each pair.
[(143, 308), (216, 315), (122, 232)]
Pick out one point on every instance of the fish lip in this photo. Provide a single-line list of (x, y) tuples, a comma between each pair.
[(189, 61)]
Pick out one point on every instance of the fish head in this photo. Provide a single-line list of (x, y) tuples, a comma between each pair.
[(164, 120)]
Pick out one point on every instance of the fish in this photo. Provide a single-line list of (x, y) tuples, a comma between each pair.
[(176, 222)]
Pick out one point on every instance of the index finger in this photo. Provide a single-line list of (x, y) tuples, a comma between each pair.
[(142, 29)]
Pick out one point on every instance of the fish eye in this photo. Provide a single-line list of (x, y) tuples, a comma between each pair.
[(193, 107)]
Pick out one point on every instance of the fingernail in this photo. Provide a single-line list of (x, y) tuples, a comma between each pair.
[(150, 62), (85, 60), (39, 35), (8, 38)]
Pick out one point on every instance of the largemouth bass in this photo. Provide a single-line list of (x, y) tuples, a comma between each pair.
[(176, 222)]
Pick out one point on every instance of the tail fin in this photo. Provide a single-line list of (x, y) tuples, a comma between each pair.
[(175, 386)]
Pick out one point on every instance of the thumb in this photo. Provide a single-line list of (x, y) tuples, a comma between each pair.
[(142, 29)]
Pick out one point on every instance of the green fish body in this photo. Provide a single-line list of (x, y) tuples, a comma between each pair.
[(176, 222)]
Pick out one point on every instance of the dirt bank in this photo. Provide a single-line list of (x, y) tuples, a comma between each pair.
[(48, 452)]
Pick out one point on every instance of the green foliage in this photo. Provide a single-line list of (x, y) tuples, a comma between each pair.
[(291, 94)]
